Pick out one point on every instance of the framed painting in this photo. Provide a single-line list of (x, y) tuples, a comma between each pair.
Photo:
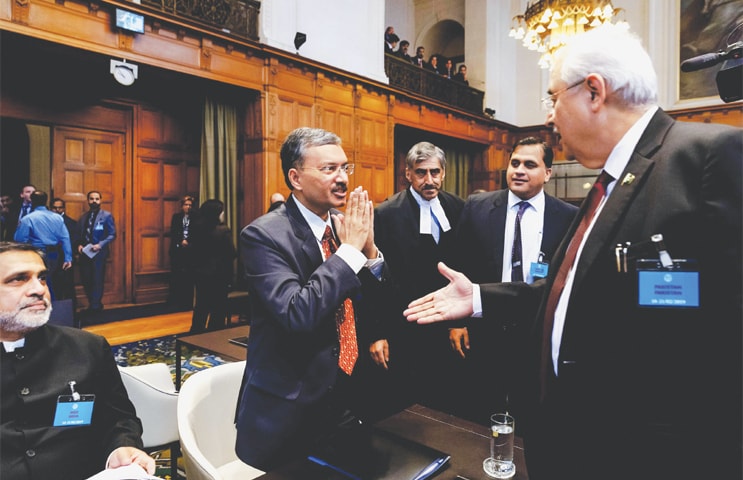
[(706, 26)]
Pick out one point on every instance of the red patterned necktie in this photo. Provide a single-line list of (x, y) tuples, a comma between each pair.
[(345, 324), (592, 202)]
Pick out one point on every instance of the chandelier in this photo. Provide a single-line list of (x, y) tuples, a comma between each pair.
[(547, 24)]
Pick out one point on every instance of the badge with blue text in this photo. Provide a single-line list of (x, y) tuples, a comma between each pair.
[(676, 286), (73, 413)]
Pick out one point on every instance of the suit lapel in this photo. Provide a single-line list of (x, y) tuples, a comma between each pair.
[(303, 232), (497, 226)]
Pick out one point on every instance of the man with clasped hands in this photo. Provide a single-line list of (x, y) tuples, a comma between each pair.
[(299, 383), (622, 388)]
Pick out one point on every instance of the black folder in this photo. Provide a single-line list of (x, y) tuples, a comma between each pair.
[(375, 454)]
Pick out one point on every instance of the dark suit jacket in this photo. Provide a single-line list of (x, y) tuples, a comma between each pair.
[(411, 257), (293, 344), (51, 358), (631, 375), (176, 231), (481, 228), (104, 230), (480, 237), (73, 230)]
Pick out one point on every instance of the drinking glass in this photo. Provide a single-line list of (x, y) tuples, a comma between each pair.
[(500, 462)]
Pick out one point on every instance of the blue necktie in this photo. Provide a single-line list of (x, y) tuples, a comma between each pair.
[(517, 270)]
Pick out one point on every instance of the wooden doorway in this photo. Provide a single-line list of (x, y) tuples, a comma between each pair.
[(86, 159)]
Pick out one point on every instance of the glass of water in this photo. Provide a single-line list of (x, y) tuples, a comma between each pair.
[(500, 462)]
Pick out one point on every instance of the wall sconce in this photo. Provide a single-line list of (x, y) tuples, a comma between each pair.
[(299, 40), (124, 73)]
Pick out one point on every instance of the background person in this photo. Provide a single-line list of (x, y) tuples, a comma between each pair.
[(213, 257), (38, 363), (181, 257), (622, 372), (97, 229), (486, 237), (46, 231), (64, 280)]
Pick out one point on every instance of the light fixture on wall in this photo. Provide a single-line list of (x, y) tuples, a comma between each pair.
[(299, 40), (124, 73), (546, 25)]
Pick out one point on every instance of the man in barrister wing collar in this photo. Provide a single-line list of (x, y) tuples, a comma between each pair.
[(624, 385)]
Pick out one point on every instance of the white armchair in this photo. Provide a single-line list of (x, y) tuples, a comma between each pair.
[(152, 391), (206, 412)]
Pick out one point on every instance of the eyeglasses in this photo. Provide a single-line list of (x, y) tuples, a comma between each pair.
[(333, 169), (548, 102)]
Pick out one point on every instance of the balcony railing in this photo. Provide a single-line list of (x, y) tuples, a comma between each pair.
[(236, 17), (409, 77)]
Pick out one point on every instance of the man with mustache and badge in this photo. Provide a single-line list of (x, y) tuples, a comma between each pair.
[(65, 411)]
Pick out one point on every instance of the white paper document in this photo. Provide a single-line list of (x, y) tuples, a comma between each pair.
[(88, 250), (130, 472)]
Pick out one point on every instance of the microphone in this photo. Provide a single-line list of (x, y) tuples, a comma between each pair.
[(710, 59)]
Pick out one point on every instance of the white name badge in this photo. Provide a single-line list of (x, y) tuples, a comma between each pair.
[(677, 286), (73, 412)]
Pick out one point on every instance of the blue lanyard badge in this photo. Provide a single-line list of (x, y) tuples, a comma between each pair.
[(74, 410), (540, 268), (675, 286)]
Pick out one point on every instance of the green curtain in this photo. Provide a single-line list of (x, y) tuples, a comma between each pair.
[(219, 159), (457, 172)]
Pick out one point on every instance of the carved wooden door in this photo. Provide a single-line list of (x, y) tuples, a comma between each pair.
[(84, 160)]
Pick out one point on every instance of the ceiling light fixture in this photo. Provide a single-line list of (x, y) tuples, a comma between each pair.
[(546, 25)]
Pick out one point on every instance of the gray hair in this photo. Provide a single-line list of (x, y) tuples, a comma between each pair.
[(296, 144), (618, 56), (422, 151)]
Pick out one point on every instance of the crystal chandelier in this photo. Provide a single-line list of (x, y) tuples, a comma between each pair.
[(547, 24)]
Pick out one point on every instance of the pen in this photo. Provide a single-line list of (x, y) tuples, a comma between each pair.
[(426, 472), (618, 255)]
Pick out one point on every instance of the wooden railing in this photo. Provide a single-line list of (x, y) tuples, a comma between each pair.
[(236, 17), (409, 77)]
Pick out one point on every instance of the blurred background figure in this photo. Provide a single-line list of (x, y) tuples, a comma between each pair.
[(213, 255), (64, 280), (181, 269), (277, 200)]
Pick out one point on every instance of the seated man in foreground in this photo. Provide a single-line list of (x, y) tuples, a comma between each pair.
[(65, 412)]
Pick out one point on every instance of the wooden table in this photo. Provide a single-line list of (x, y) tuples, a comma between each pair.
[(468, 444), (216, 342)]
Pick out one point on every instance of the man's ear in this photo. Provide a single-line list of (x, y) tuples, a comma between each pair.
[(293, 175)]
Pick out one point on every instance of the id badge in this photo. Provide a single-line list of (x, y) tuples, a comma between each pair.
[(676, 286), (539, 269), (73, 412)]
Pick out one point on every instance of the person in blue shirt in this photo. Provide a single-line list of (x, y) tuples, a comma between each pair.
[(46, 231)]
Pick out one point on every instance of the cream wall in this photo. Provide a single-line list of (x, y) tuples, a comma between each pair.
[(351, 38)]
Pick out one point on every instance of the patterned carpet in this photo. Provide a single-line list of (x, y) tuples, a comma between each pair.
[(163, 350)]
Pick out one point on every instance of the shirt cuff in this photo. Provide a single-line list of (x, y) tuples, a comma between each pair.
[(353, 257), (476, 301)]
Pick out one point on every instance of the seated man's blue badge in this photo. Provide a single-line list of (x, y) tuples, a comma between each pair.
[(75, 409), (675, 286)]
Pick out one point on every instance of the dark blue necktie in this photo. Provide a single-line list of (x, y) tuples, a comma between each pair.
[(517, 271)]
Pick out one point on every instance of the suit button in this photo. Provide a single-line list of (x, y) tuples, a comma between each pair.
[(19, 356), (30, 453), (25, 391)]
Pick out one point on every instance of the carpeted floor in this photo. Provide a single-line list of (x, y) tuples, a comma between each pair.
[(163, 350)]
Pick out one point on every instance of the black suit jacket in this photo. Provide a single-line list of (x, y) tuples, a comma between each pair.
[(293, 344), (33, 378), (631, 375)]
